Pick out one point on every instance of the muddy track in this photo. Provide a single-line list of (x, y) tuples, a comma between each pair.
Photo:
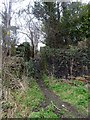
[(51, 96)]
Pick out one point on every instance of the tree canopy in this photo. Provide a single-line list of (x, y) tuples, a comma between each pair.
[(64, 23)]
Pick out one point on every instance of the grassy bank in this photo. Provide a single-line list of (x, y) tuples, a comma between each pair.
[(28, 99), (28, 103)]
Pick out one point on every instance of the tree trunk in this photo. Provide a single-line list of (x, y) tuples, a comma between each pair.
[(58, 11), (32, 42), (32, 51), (71, 68)]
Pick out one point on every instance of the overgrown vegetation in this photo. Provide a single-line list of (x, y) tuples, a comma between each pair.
[(63, 27), (26, 100)]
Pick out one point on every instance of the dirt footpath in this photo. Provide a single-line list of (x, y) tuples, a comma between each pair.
[(51, 96)]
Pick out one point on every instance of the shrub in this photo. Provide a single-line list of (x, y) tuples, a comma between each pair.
[(72, 61), (30, 70)]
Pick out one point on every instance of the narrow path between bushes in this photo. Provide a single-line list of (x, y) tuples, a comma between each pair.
[(51, 96)]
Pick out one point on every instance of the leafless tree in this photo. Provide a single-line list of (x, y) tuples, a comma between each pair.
[(8, 31), (29, 27)]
